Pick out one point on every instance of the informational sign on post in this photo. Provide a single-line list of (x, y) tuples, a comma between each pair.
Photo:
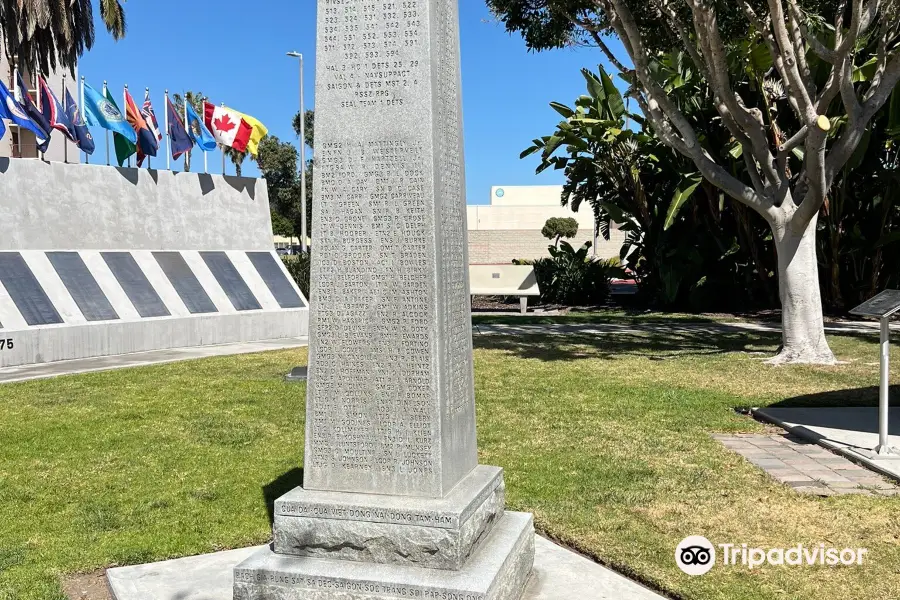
[(883, 307)]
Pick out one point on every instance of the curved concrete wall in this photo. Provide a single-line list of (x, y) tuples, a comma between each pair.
[(97, 260), (58, 206)]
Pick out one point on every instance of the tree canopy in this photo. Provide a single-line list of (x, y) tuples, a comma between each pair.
[(46, 34), (793, 84), (557, 228)]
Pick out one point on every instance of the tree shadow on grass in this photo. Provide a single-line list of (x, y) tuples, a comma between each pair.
[(836, 413), (655, 345), (866, 396), (278, 488)]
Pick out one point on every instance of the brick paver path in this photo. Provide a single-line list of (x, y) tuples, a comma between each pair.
[(807, 467)]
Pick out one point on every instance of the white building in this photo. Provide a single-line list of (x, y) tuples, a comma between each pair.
[(510, 226), (21, 144)]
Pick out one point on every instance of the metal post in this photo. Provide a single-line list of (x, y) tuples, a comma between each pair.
[(222, 147), (187, 124), (65, 139), (168, 139), (147, 96), (106, 130), (596, 235), (36, 79), (302, 165), (884, 446), (87, 157), (125, 114)]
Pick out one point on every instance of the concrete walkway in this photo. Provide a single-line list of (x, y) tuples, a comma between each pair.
[(846, 327), (105, 363), (849, 431), (559, 574), (140, 359), (807, 467)]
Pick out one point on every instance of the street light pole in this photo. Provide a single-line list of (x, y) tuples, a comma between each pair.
[(303, 227)]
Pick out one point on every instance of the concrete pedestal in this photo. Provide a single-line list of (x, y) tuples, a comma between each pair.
[(358, 546), (499, 570), (437, 533)]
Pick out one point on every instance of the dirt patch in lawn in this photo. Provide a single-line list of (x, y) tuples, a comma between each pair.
[(87, 586)]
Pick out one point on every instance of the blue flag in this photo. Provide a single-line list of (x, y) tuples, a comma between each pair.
[(82, 133), (101, 112), (178, 135), (12, 110), (36, 116), (198, 131), (53, 111)]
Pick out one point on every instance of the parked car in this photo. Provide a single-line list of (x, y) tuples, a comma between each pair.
[(282, 251)]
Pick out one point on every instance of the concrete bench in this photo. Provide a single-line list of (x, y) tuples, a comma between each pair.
[(504, 280)]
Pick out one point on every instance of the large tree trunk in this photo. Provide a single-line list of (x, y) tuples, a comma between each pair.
[(803, 328)]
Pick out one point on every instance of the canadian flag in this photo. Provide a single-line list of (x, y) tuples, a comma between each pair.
[(227, 126)]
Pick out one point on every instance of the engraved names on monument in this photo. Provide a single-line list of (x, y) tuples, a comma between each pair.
[(393, 503), (390, 395)]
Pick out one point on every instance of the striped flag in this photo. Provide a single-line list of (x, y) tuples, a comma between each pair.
[(150, 117)]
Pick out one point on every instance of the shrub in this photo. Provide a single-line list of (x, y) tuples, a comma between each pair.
[(559, 227), (298, 266), (571, 277)]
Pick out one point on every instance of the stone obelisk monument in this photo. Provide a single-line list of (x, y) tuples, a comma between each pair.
[(394, 503)]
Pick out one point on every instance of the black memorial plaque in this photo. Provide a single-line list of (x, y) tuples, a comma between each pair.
[(881, 306), (185, 282), (91, 300), (136, 285), (275, 280), (231, 281), (26, 291)]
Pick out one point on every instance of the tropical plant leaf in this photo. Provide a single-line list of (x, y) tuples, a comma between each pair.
[(595, 88), (888, 239), (613, 96), (856, 159), (562, 109), (685, 190)]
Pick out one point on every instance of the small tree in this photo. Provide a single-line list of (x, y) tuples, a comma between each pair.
[(559, 227), (237, 158), (834, 65)]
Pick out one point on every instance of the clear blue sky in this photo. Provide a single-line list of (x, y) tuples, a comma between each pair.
[(238, 57)]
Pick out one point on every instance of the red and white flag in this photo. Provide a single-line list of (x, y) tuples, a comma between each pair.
[(228, 126), (150, 117)]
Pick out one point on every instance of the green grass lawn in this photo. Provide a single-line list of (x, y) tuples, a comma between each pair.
[(604, 438)]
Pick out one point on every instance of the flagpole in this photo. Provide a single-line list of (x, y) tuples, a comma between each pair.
[(87, 157), (168, 140), (106, 130), (187, 124), (65, 141), (223, 150), (147, 95), (38, 94), (125, 114), (15, 87)]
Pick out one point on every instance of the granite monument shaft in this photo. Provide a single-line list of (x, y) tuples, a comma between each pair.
[(393, 503), (391, 404)]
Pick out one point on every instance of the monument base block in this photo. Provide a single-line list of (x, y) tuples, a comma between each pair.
[(498, 570), (436, 533)]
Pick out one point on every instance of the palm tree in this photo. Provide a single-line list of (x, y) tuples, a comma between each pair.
[(237, 158), (43, 35)]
